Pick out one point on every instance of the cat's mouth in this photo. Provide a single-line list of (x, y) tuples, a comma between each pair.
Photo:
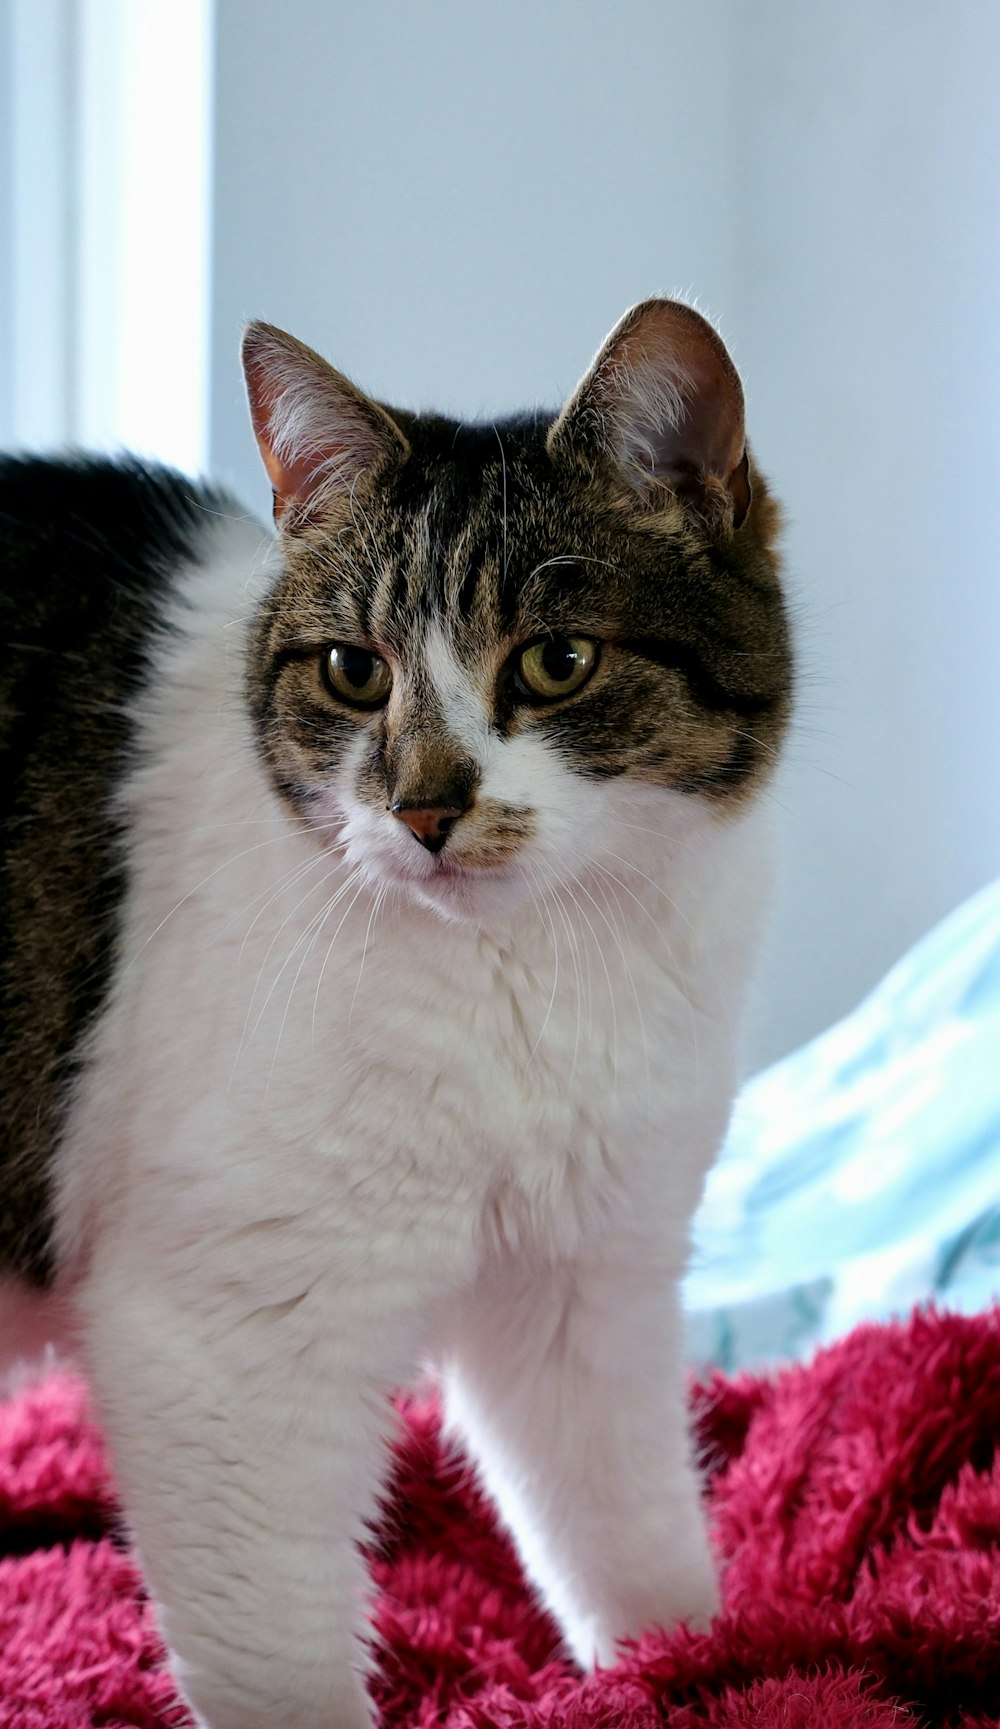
[(475, 874), (459, 887), (468, 864), (445, 868)]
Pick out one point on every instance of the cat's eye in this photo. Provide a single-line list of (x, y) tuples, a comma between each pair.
[(356, 675), (554, 667)]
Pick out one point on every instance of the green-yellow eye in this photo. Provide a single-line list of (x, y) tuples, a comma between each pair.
[(554, 667), (356, 675)]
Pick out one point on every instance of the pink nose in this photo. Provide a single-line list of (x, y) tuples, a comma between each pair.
[(430, 823)]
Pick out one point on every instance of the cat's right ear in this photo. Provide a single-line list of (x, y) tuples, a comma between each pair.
[(316, 432)]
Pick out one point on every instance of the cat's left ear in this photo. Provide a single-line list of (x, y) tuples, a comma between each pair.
[(317, 433), (661, 410)]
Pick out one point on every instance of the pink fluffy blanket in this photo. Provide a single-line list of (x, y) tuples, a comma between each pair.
[(856, 1506)]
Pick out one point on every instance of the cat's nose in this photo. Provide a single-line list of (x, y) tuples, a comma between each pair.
[(430, 823)]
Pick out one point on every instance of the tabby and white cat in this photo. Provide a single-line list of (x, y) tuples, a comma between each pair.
[(377, 904)]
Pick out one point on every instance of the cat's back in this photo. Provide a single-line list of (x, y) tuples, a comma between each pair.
[(81, 535), (91, 552)]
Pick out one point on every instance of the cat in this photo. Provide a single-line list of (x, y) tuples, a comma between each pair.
[(378, 901)]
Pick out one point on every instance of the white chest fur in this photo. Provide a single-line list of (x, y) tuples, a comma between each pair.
[(284, 1038)]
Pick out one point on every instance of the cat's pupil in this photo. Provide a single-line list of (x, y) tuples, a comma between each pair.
[(357, 666), (559, 659)]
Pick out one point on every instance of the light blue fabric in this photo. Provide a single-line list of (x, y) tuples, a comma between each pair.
[(861, 1174)]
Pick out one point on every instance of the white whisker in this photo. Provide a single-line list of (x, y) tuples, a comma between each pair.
[(574, 952), (248, 1036), (635, 996), (380, 895), (356, 876), (312, 931), (615, 1046), (503, 459), (572, 558), (660, 890), (272, 840), (540, 909), (290, 880)]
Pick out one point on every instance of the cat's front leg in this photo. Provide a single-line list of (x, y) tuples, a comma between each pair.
[(567, 1382), (248, 1440)]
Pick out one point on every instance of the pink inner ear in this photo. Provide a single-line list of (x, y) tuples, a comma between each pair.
[(314, 429), (294, 461), (286, 478), (677, 400)]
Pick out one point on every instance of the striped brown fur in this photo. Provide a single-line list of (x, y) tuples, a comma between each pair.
[(488, 531)]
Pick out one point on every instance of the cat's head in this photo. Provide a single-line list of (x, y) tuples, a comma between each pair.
[(496, 653)]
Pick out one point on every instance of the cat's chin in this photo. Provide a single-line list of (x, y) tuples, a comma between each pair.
[(463, 895)]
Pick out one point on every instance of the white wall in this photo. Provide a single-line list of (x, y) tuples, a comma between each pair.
[(868, 322), (454, 202)]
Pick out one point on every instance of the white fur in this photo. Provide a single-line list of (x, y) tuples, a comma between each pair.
[(300, 1167), (465, 710)]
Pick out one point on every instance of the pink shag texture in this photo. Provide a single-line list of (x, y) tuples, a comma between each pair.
[(856, 1503)]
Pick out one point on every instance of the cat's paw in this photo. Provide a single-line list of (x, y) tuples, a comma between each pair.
[(595, 1639)]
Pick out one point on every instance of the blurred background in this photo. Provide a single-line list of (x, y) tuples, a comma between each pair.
[(454, 202)]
